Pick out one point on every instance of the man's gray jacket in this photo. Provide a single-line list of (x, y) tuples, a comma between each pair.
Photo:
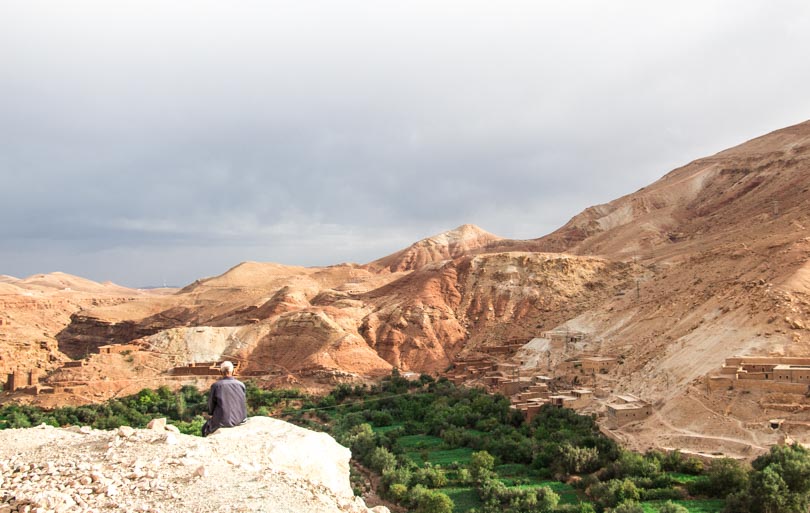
[(226, 403)]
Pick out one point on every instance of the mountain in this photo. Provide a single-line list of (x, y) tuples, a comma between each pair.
[(746, 193), (710, 261), (448, 245)]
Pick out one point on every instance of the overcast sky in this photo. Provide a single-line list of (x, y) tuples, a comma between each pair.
[(146, 142)]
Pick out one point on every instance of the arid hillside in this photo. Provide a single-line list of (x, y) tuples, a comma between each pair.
[(711, 261), (35, 309)]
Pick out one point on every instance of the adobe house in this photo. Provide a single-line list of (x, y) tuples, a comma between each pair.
[(529, 409), (514, 386), (778, 371), (574, 399), (792, 373), (117, 348), (626, 409), (532, 409), (202, 369), (21, 379), (562, 400), (583, 396), (564, 335), (598, 364)]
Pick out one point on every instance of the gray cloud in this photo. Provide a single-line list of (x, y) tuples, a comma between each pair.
[(142, 142)]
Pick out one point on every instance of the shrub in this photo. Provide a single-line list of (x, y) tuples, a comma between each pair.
[(725, 476), (397, 475), (481, 465), (381, 459), (628, 507), (613, 492), (632, 464), (691, 465), (661, 494), (397, 492), (671, 507), (578, 460), (432, 501), (431, 476), (582, 507)]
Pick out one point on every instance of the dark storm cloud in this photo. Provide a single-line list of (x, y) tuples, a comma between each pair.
[(149, 141)]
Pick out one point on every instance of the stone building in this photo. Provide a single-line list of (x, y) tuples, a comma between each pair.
[(791, 373), (598, 364), (626, 409)]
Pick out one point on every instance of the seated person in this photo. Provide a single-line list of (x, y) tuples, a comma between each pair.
[(226, 402)]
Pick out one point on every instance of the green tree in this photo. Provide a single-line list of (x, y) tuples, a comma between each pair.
[(432, 501), (381, 459), (576, 460), (481, 465), (398, 492), (547, 500), (361, 440), (614, 492), (631, 464), (433, 477), (781, 481), (778, 483), (725, 476), (397, 475)]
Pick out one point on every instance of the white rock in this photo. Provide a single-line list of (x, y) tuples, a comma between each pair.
[(52, 500), (125, 431), (201, 471), (85, 430), (172, 428), (157, 424), (304, 454), (170, 439)]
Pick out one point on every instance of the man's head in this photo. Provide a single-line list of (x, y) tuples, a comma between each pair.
[(226, 368)]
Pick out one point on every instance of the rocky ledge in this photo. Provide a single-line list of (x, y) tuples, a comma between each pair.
[(265, 465)]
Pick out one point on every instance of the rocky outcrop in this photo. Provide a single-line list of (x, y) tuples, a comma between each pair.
[(264, 465), (451, 244)]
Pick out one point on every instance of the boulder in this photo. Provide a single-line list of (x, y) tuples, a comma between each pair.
[(157, 425), (301, 453)]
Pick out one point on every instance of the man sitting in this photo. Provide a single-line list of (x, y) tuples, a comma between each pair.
[(226, 401)]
